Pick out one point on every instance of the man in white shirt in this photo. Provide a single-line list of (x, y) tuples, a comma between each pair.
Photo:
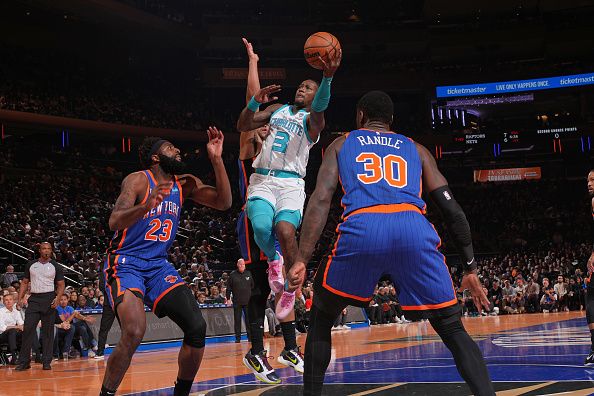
[(11, 326)]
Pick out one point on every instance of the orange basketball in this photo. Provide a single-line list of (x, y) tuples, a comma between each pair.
[(323, 45)]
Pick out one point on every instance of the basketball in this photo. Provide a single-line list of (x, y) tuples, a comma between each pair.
[(323, 45)]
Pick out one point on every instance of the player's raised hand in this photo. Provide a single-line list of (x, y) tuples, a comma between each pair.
[(158, 194), (331, 67), (250, 50), (215, 143), (471, 282), (266, 94), (296, 275)]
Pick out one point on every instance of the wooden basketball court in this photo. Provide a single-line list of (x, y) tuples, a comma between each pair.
[(526, 355)]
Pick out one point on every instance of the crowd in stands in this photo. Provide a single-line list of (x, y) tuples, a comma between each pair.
[(532, 240)]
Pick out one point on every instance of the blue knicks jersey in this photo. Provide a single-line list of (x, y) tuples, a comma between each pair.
[(151, 236), (379, 168)]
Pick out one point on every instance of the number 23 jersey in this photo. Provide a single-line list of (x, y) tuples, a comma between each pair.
[(151, 236), (287, 147), (379, 168)]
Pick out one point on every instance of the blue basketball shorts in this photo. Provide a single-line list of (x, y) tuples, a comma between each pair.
[(401, 244), (150, 280)]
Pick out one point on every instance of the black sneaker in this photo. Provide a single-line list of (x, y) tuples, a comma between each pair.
[(38, 358), (47, 366), (590, 359), (258, 364), (14, 359), (22, 367)]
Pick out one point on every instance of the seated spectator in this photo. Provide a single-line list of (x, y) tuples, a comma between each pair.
[(100, 301), (573, 295), (561, 292), (383, 301), (11, 327), (73, 301), (88, 341), (9, 277), (516, 304), (274, 327), (64, 331), (548, 301), (509, 292), (496, 297), (200, 298), (215, 296), (532, 296)]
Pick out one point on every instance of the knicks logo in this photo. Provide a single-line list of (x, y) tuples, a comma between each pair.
[(171, 279)]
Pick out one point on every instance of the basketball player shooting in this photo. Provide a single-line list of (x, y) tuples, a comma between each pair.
[(256, 359), (276, 193), (384, 232), (145, 220)]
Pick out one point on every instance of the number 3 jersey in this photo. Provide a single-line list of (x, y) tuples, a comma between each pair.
[(379, 168), (287, 147), (151, 236)]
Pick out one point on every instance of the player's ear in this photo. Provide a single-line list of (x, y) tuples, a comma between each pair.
[(155, 159), (360, 118)]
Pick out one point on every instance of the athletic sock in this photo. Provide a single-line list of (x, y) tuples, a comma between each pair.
[(289, 335), (182, 387)]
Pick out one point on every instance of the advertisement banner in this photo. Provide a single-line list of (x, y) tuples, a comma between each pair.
[(503, 87), (264, 73), (510, 174)]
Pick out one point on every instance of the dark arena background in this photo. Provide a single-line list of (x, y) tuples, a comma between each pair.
[(501, 93)]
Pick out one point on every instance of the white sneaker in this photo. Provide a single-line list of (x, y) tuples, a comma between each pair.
[(404, 320), (292, 358), (285, 305), (91, 353), (345, 327)]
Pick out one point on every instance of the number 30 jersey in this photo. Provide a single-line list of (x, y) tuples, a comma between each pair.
[(151, 236), (379, 168), (287, 147)]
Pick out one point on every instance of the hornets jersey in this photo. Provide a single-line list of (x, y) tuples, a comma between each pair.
[(151, 236), (379, 168), (287, 147)]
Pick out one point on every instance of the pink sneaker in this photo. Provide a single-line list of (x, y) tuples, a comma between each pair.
[(285, 305), (275, 275)]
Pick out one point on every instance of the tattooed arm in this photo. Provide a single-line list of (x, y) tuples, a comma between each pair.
[(134, 189)]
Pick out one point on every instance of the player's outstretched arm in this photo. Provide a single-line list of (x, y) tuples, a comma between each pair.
[(316, 121), (250, 118), (316, 214), (134, 186), (250, 142), (253, 80), (218, 197)]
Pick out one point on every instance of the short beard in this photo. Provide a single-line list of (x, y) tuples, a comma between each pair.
[(171, 166)]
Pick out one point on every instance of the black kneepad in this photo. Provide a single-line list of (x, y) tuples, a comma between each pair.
[(181, 307)]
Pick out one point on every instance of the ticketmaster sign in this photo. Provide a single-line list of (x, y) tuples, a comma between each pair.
[(515, 86)]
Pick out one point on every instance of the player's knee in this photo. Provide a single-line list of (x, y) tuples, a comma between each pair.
[(195, 333), (133, 333)]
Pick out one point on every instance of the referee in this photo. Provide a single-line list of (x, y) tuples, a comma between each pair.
[(47, 282)]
